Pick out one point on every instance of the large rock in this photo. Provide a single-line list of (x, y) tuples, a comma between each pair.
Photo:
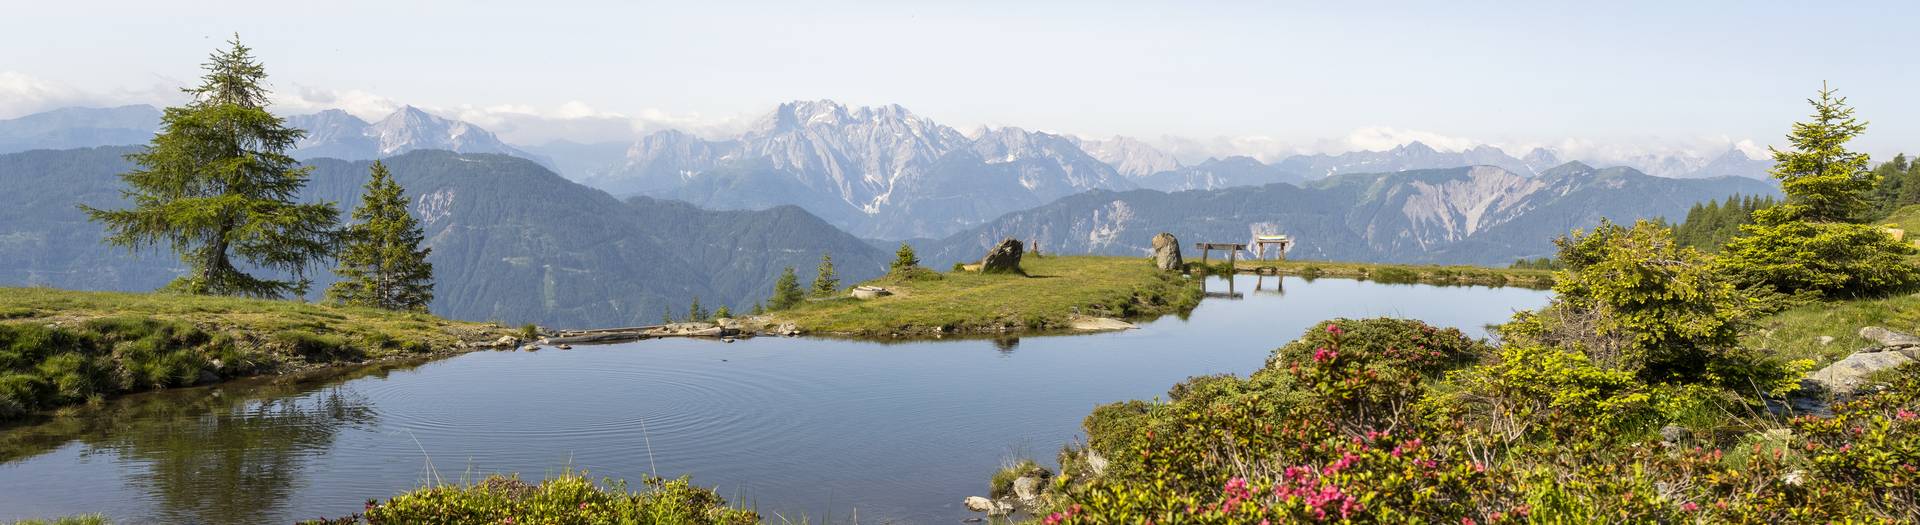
[(1885, 337), (1166, 252), (1843, 376), (1003, 258), (869, 292), (1027, 489)]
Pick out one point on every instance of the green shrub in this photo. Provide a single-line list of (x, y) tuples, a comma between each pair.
[(314, 347), (567, 499), (84, 519), (1823, 259), (1392, 275)]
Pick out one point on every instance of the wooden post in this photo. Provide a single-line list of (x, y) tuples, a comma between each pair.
[(1232, 254)]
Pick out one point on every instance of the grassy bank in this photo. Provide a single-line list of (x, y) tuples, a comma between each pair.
[(569, 498), (1796, 333), (63, 347), (1054, 290), (1408, 273)]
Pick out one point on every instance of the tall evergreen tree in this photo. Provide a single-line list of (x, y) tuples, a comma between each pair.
[(1824, 182), (383, 264), (904, 259), (786, 292), (216, 185), (826, 282)]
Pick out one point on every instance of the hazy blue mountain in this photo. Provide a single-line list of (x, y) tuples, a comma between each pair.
[(511, 240), (1410, 156), (579, 161), (79, 128), (875, 171), (1470, 215), (1734, 163)]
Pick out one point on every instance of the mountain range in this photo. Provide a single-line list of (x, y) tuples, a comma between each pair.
[(878, 172), (511, 240), (1465, 215)]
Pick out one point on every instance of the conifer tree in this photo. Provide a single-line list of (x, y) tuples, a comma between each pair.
[(215, 185), (759, 308), (383, 264), (697, 313), (786, 292), (904, 259), (1824, 182), (826, 282), (722, 313)]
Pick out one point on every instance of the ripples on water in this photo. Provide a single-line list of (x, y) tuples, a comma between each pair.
[(901, 432)]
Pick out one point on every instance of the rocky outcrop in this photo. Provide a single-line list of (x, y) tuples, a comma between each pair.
[(1889, 338), (1846, 375), (1166, 252), (1003, 258)]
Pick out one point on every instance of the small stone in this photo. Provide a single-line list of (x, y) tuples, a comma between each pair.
[(1845, 375), (532, 348), (506, 341), (869, 292), (207, 377), (1824, 340), (979, 504), (563, 346), (1674, 435)]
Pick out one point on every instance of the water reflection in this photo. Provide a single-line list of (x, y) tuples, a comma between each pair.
[(228, 454), (901, 430)]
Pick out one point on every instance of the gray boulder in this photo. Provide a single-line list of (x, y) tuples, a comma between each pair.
[(1027, 489), (1166, 252), (1888, 338), (1003, 258), (1845, 375)]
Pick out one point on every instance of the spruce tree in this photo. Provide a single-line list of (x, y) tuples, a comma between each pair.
[(904, 259), (1824, 182), (722, 313), (759, 308), (786, 292), (383, 264), (695, 312), (826, 282), (216, 185)]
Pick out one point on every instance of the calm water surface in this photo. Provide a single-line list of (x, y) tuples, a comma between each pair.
[(791, 426)]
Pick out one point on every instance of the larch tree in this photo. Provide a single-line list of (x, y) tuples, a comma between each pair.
[(216, 186), (383, 264)]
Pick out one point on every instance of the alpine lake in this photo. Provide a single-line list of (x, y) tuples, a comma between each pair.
[(815, 428)]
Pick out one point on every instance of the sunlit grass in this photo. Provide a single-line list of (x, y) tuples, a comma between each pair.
[(1054, 289)]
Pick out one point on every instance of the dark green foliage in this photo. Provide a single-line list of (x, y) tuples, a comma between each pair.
[(216, 184), (759, 308), (1899, 185), (786, 292), (1709, 226), (383, 264), (1393, 275), (826, 282), (722, 313), (1541, 263), (903, 260)]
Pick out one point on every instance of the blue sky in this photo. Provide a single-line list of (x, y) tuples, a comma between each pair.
[(1280, 75)]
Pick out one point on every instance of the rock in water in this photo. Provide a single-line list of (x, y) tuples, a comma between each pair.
[(979, 504), (1888, 338), (1003, 258), (1166, 252)]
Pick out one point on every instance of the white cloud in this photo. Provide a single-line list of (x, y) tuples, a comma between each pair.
[(21, 94), (1375, 138), (307, 99)]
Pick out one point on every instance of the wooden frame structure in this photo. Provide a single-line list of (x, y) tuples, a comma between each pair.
[(1232, 248)]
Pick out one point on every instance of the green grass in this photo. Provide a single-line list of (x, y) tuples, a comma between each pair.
[(62, 347), (1794, 334), (1409, 273), (1907, 218), (86, 519), (1044, 299)]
